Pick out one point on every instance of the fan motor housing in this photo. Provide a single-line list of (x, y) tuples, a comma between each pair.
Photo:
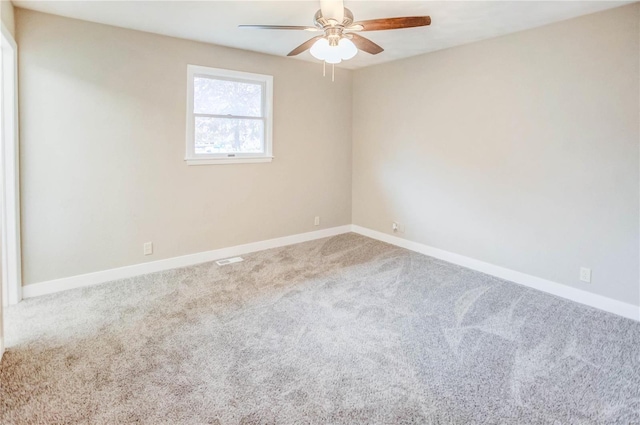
[(322, 22)]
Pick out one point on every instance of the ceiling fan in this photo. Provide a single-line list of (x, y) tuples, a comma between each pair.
[(341, 40)]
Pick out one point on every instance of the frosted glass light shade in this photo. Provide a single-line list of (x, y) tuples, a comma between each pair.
[(347, 48), (333, 54), (319, 49)]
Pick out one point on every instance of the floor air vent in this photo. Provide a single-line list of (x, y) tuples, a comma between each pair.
[(229, 261)]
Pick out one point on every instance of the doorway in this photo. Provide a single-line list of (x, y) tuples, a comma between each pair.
[(10, 258)]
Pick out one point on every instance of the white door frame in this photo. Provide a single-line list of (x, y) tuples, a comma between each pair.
[(10, 177)]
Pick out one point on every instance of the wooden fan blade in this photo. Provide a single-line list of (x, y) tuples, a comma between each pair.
[(279, 27), (304, 46), (391, 23), (365, 44)]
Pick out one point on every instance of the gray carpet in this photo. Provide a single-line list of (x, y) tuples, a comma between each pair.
[(342, 330)]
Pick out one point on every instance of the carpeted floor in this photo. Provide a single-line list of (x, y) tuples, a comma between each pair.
[(342, 330)]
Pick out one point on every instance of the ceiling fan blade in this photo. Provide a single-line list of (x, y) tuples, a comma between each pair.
[(304, 46), (279, 27), (365, 44), (391, 23), (332, 9)]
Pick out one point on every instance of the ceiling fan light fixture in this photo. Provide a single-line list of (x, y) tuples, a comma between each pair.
[(341, 40), (344, 50), (323, 51), (320, 49), (332, 54), (347, 49), (333, 57)]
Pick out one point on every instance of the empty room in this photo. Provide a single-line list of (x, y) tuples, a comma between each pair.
[(320, 212)]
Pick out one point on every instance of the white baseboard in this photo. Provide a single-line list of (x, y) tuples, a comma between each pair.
[(597, 301), (63, 284)]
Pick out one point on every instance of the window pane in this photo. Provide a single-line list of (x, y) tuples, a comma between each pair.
[(221, 97), (228, 135)]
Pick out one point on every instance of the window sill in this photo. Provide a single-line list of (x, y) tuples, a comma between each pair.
[(222, 161)]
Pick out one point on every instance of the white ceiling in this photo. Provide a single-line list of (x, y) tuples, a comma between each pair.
[(453, 22)]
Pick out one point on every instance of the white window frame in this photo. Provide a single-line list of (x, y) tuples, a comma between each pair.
[(267, 104)]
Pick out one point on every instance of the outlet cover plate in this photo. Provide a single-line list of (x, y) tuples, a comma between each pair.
[(585, 275)]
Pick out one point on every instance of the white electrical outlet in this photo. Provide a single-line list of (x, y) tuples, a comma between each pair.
[(585, 274), (397, 227), (316, 221), (148, 248)]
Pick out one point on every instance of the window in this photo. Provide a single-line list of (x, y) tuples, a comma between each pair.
[(229, 116)]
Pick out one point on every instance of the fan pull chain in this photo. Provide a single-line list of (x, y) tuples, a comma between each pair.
[(333, 71)]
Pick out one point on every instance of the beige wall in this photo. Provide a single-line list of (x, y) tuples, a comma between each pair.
[(102, 114), (521, 151), (7, 16)]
